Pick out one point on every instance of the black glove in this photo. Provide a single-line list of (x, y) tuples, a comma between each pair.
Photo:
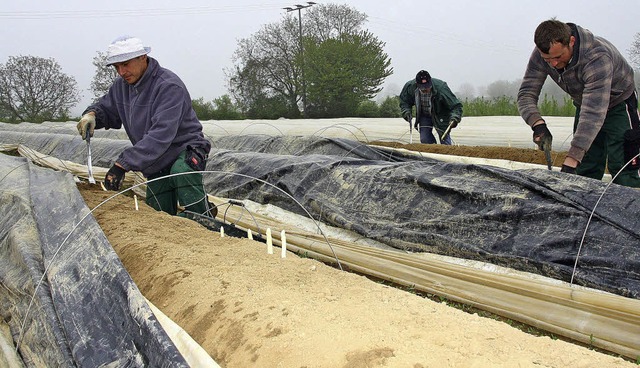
[(196, 158), (568, 169), (453, 123), (114, 177), (541, 131), (407, 116)]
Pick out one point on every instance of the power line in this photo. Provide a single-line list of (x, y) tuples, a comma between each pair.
[(154, 12), (440, 36)]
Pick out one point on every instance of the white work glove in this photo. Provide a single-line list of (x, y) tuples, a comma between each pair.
[(86, 123)]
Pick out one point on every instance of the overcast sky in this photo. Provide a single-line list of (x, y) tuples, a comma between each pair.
[(476, 42)]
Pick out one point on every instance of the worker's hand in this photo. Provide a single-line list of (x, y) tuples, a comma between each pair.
[(87, 123), (407, 116), (114, 177), (569, 165), (568, 169), (453, 123), (542, 136)]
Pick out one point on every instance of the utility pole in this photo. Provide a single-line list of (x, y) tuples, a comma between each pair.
[(299, 7)]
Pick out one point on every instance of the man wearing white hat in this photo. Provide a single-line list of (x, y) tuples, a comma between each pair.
[(154, 107)]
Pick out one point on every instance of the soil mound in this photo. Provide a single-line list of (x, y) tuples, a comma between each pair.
[(526, 155)]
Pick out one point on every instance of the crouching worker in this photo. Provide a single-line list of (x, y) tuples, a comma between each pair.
[(436, 107), (154, 107)]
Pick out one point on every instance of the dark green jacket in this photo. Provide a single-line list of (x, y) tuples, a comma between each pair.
[(445, 105)]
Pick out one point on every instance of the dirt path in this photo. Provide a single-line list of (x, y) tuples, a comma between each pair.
[(251, 309), (526, 155)]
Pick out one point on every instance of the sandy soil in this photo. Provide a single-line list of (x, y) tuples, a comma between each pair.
[(251, 309)]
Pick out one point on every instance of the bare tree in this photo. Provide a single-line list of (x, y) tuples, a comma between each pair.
[(503, 88), (634, 58), (634, 52), (551, 89), (265, 71), (466, 91), (332, 21), (34, 89), (104, 77)]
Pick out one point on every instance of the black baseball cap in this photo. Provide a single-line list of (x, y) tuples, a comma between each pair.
[(423, 79)]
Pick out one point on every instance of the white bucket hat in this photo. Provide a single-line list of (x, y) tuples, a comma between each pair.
[(125, 48)]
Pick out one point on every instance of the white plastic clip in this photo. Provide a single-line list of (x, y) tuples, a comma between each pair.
[(283, 239), (269, 242)]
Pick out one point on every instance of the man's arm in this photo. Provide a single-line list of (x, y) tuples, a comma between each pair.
[(453, 104), (407, 100), (528, 96), (105, 111), (529, 92)]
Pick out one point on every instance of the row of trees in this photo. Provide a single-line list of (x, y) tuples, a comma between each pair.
[(33, 89), (335, 70)]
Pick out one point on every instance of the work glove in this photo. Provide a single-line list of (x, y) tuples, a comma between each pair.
[(196, 158), (86, 123), (568, 169), (542, 136), (407, 116), (114, 177)]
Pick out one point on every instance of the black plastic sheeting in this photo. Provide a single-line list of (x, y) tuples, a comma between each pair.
[(529, 220), (87, 311)]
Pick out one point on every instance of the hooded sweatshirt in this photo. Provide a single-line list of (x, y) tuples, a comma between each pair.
[(597, 78)]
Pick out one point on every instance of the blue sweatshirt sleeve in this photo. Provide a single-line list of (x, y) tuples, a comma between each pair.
[(106, 111)]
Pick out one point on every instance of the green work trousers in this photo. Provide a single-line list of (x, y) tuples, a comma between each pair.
[(186, 189), (607, 150)]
